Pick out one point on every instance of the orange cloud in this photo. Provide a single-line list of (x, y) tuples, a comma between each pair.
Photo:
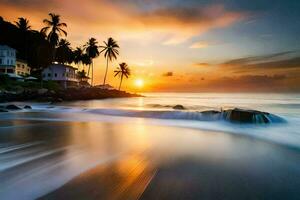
[(199, 45), (91, 18)]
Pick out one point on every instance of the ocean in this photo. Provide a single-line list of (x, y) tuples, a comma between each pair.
[(49, 150)]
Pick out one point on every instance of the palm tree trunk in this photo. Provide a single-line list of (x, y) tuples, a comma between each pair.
[(88, 74), (121, 82), (92, 72), (105, 70), (53, 54)]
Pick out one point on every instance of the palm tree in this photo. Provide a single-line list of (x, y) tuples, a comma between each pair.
[(56, 30), (122, 70), (23, 24), (78, 54), (111, 49), (64, 53), (92, 51), (86, 60)]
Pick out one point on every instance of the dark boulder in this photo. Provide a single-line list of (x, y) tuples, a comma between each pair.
[(27, 107), (210, 112), (3, 110), (179, 107), (211, 115), (12, 107), (247, 116)]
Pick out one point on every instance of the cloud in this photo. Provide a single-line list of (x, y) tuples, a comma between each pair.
[(199, 45), (170, 23), (167, 74), (256, 59), (202, 64), (289, 61), (254, 79)]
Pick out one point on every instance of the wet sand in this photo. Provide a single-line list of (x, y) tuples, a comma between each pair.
[(102, 160)]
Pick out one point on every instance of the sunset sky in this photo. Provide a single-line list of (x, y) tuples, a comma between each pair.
[(190, 45)]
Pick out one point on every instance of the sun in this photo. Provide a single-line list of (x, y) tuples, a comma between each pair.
[(139, 83)]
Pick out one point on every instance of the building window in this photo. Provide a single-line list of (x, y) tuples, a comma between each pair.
[(55, 74), (0, 61), (49, 75), (44, 75)]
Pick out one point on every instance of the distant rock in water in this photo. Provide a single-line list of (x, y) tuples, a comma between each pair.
[(249, 116), (12, 107), (27, 107), (179, 107), (210, 115)]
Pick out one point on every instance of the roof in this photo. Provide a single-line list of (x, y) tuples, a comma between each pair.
[(11, 75), (30, 78), (5, 47), (62, 65)]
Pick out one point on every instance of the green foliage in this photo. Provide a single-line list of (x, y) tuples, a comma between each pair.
[(13, 85), (51, 85), (4, 80)]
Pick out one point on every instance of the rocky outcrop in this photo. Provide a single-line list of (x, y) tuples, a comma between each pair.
[(71, 94), (178, 107), (27, 107), (241, 116), (237, 115), (12, 107)]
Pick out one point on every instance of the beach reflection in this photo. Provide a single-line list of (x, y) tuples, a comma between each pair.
[(132, 160), (50, 154)]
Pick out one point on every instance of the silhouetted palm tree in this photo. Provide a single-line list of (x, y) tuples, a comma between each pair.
[(111, 50), (93, 52), (24, 27), (81, 75), (56, 30), (122, 70), (64, 53), (78, 53), (86, 60), (23, 24)]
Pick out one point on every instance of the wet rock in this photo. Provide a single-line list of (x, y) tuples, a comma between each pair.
[(12, 107), (246, 116), (27, 107), (211, 112), (211, 115), (179, 107)]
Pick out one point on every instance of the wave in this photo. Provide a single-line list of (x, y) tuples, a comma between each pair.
[(211, 115)]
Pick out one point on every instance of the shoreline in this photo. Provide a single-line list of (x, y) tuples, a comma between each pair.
[(71, 94)]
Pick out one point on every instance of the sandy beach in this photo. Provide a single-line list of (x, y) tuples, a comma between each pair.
[(73, 159)]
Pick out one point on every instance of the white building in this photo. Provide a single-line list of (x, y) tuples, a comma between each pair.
[(7, 59), (10, 65), (63, 74)]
